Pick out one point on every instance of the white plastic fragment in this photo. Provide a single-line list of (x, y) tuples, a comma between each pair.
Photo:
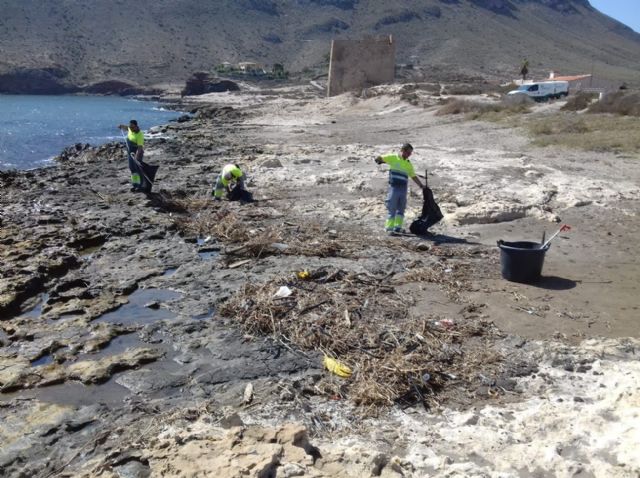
[(283, 291)]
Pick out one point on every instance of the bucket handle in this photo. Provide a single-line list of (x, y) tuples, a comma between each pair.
[(543, 247)]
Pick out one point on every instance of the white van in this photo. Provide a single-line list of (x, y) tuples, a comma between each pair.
[(543, 90)]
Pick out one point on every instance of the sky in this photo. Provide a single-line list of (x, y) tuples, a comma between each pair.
[(625, 11)]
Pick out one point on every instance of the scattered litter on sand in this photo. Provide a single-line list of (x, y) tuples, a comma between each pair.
[(361, 321)]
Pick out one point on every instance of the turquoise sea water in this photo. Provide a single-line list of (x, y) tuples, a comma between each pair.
[(34, 129)]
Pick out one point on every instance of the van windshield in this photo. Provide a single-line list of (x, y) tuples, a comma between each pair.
[(528, 87)]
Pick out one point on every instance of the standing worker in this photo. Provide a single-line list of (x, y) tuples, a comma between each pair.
[(135, 148), (230, 174), (400, 170), (524, 70)]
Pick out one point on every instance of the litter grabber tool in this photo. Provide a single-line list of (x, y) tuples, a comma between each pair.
[(148, 171), (563, 228)]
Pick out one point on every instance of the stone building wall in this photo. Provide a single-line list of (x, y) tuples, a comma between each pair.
[(358, 64)]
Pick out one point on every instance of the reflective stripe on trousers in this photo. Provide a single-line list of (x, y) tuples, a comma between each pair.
[(136, 174), (396, 204), (219, 188)]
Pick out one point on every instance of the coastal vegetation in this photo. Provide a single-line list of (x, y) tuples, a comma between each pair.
[(487, 110), (590, 132), (611, 124)]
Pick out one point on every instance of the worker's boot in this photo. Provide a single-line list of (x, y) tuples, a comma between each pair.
[(397, 224), (135, 183), (388, 225)]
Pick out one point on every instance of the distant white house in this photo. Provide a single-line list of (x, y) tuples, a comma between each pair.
[(588, 83), (250, 67)]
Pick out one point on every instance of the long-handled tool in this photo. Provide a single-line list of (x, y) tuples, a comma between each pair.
[(564, 227), (132, 156)]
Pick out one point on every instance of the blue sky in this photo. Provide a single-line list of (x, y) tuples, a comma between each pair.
[(625, 11)]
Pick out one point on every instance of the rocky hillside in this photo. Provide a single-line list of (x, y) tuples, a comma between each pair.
[(59, 45)]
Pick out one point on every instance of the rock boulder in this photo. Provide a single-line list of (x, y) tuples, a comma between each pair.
[(201, 83)]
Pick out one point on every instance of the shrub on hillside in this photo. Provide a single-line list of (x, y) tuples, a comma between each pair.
[(504, 89), (456, 107), (602, 133), (399, 17), (476, 109), (559, 125), (621, 103), (579, 101), (464, 89), (477, 88), (517, 101)]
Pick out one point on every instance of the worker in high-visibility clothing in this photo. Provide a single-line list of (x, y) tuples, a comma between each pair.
[(229, 175), (135, 149), (400, 170)]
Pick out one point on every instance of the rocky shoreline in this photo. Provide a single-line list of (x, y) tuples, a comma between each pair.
[(114, 360), (55, 81)]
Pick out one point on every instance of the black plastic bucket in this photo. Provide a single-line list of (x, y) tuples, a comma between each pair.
[(522, 261)]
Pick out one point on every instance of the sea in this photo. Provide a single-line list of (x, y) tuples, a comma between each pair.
[(35, 129)]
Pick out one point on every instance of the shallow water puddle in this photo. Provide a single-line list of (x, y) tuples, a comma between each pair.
[(207, 315), (73, 394), (205, 251), (144, 307), (37, 310), (44, 360), (88, 252), (169, 272), (116, 346), (109, 392), (206, 254)]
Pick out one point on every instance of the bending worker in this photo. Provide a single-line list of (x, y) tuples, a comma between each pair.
[(135, 147), (400, 170), (230, 174)]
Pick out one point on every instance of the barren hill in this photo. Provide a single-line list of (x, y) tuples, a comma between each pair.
[(61, 44)]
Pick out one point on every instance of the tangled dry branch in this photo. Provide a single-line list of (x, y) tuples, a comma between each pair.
[(363, 322)]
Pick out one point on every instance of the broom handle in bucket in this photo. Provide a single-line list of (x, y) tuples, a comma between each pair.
[(563, 228)]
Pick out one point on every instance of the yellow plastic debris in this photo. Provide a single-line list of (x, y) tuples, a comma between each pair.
[(333, 366), (303, 274)]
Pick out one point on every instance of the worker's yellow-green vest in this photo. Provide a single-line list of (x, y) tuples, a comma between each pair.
[(229, 173), (232, 169), (400, 170), (134, 141), (137, 139)]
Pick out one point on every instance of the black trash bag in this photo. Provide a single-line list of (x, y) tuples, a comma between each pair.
[(240, 194), (149, 172), (431, 215)]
